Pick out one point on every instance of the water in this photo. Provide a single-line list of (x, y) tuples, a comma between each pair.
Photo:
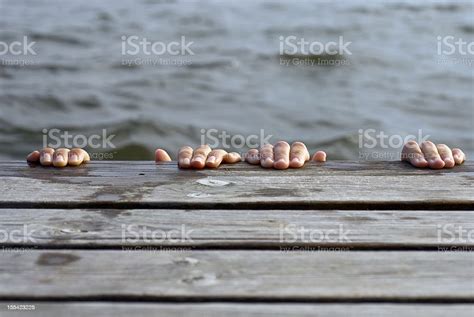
[(394, 81)]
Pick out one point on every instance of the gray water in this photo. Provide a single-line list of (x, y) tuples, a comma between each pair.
[(394, 81)]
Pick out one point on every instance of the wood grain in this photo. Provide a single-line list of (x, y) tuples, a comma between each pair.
[(333, 185), (244, 275), (353, 229), (396, 260)]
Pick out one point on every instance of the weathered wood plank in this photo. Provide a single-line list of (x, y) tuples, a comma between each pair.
[(237, 310), (106, 228), (221, 275), (145, 184)]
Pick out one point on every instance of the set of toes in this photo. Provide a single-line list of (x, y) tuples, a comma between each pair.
[(59, 158), (282, 155), (432, 155)]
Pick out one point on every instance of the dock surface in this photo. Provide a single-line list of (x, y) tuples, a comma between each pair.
[(332, 239)]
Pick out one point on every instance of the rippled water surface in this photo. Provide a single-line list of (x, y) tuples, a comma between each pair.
[(394, 81)]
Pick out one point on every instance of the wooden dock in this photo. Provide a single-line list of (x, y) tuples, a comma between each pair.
[(333, 239)]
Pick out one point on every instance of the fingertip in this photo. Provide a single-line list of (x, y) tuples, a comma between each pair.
[(281, 164), (267, 163), (33, 157), (459, 156), (282, 143), (212, 162), (75, 157), (427, 144), (436, 163), (46, 158), (252, 157), (59, 160), (457, 159), (319, 156), (419, 162), (184, 163), (232, 157), (162, 156), (198, 162), (211, 159), (449, 162), (235, 157), (411, 144), (296, 163)]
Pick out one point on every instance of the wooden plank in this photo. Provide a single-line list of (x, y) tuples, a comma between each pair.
[(347, 185), (238, 275), (363, 229), (236, 310)]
